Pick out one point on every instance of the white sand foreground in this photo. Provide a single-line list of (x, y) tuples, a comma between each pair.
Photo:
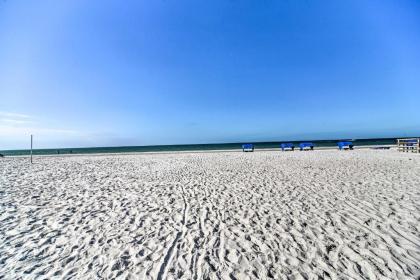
[(225, 215)]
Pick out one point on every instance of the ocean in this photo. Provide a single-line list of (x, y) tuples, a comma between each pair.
[(191, 147)]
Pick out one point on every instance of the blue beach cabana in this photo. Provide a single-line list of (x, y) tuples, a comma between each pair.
[(248, 147), (306, 146), (345, 145), (287, 146)]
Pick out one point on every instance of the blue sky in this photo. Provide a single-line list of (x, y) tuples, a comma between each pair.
[(99, 73)]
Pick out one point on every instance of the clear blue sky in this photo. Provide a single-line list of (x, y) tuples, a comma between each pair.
[(98, 73)]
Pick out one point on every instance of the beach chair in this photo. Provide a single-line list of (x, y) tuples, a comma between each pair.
[(287, 146), (306, 146), (345, 145), (248, 147)]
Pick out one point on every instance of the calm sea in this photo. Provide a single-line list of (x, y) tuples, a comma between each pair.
[(195, 147)]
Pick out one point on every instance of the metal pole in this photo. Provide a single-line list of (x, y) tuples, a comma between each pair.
[(32, 137)]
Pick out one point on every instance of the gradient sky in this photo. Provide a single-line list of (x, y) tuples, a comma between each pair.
[(99, 73)]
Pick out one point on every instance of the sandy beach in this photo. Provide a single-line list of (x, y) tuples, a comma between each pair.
[(262, 215)]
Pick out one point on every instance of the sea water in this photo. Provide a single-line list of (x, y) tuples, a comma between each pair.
[(192, 147)]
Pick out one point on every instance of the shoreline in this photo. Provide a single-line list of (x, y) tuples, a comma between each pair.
[(196, 151)]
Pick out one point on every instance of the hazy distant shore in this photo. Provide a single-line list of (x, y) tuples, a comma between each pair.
[(212, 215)]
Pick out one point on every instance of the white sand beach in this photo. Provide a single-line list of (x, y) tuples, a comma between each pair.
[(224, 215)]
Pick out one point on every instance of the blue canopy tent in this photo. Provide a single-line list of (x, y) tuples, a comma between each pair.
[(306, 146), (344, 145), (248, 147), (287, 146)]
